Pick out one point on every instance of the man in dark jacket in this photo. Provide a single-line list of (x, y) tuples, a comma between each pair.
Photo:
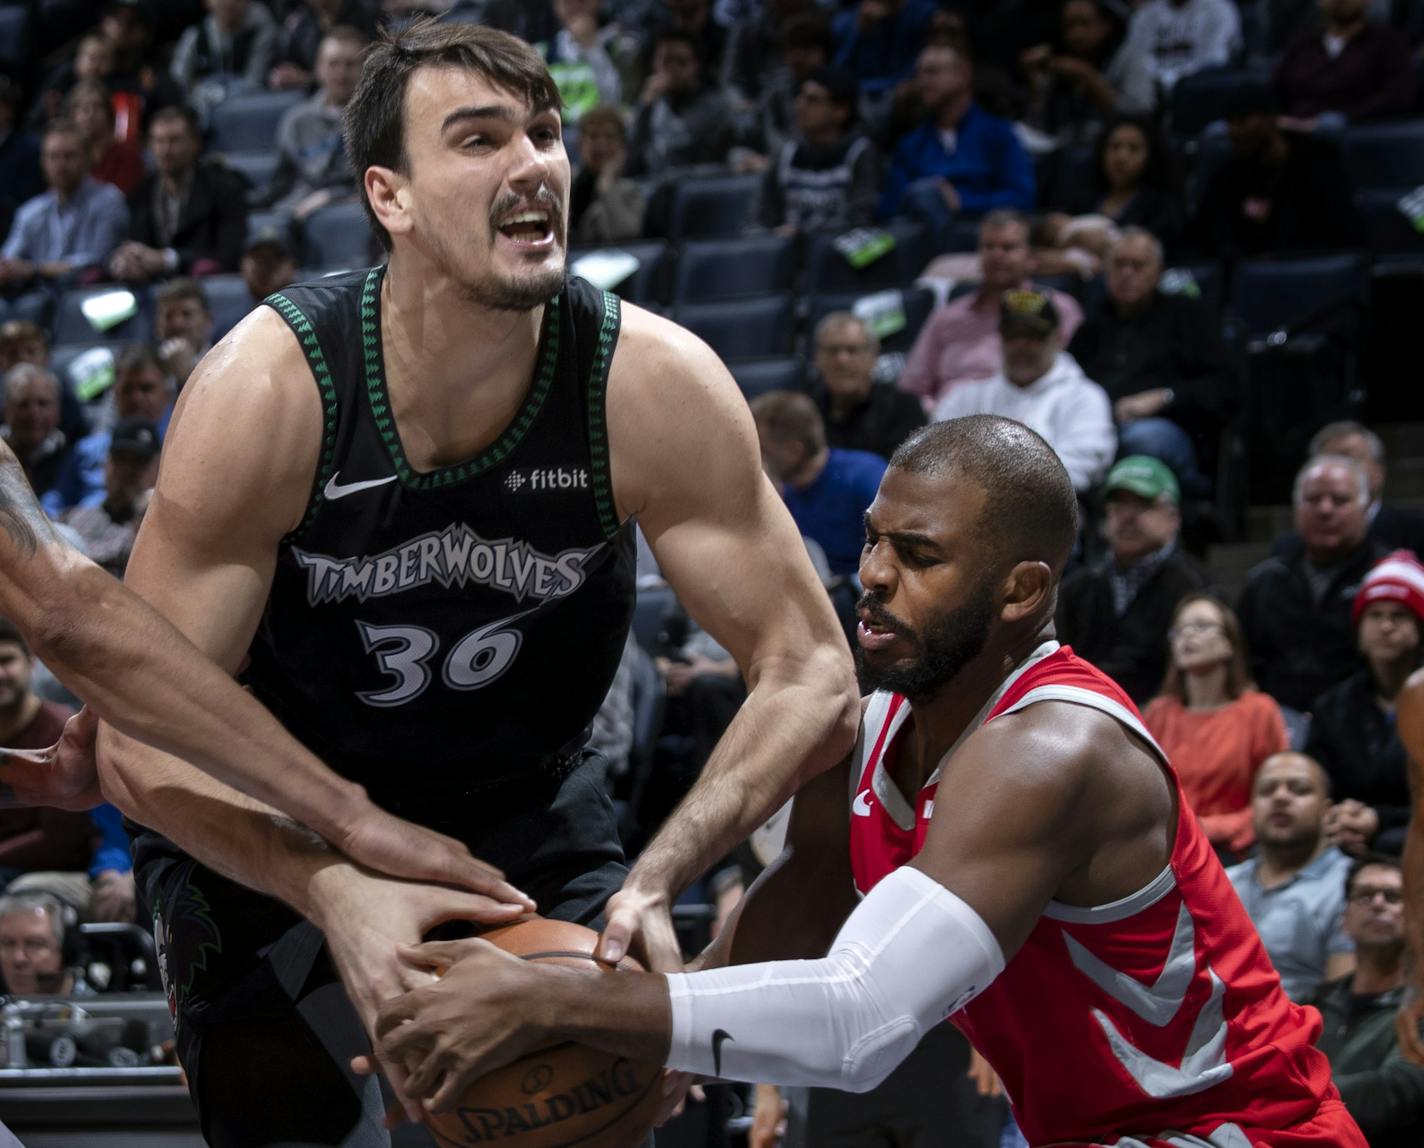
[(1383, 1091), (186, 217), (859, 413), (1296, 610), (1116, 613)]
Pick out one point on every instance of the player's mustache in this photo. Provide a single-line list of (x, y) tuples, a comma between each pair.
[(544, 197), (870, 605)]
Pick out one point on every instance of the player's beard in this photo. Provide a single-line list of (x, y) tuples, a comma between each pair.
[(525, 290), (946, 646)]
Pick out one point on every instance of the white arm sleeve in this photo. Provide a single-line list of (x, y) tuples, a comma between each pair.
[(909, 955)]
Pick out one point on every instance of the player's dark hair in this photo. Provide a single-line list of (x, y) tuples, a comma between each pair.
[(375, 118), (1030, 510)]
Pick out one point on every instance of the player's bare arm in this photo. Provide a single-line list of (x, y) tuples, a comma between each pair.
[(687, 465), (1409, 712)]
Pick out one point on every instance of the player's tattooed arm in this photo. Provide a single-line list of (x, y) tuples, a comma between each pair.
[(21, 516)]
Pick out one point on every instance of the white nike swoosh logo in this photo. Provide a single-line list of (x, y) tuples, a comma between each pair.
[(861, 805), (335, 490)]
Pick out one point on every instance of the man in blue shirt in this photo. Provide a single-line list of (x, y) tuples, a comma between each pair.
[(72, 226), (826, 489), (962, 160)]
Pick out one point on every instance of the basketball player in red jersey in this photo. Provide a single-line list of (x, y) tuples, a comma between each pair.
[(1007, 846)]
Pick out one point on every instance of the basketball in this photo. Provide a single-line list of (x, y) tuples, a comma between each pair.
[(567, 1096)]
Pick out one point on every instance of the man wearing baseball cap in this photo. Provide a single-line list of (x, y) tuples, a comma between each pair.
[(1043, 388), (1117, 612)]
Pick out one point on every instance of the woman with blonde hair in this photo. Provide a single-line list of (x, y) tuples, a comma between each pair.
[(1213, 723)]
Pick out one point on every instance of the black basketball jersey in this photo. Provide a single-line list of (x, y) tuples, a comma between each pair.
[(432, 633)]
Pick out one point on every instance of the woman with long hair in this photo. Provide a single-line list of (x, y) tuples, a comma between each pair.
[(1214, 725), (89, 106)]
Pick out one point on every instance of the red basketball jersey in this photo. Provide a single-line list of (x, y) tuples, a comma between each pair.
[(1151, 1020)]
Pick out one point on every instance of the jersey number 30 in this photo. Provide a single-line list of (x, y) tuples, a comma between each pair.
[(476, 660)]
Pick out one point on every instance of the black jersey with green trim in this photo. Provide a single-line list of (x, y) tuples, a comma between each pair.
[(429, 633)]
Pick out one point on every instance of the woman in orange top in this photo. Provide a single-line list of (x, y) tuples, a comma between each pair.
[(1214, 725)]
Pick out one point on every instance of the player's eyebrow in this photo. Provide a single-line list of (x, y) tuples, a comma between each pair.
[(479, 112), (903, 537)]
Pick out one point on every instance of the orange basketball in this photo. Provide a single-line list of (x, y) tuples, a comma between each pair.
[(567, 1096)]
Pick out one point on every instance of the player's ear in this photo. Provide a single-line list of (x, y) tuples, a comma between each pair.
[(1026, 590), (387, 192)]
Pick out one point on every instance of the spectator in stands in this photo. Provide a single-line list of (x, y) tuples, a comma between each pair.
[(878, 40), (963, 161), (1211, 721), (756, 57), (31, 427), (143, 393), (1348, 70), (1296, 610), (682, 119), (1277, 191), (806, 46), (108, 528), (312, 169), (1161, 360), (20, 175), (229, 52), (1116, 613), (1352, 730), (23, 341), (1392, 527), (74, 856), (604, 205), (32, 931), (141, 88), (859, 414), (1294, 888), (183, 327), (1079, 83), (1383, 1091), (69, 228), (1042, 387), (120, 162), (93, 59), (826, 488), (1132, 185), (267, 265), (188, 217), (305, 27), (960, 341), (828, 177), (1176, 38), (581, 61)]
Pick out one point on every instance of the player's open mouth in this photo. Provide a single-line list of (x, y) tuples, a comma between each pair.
[(873, 637), (533, 227)]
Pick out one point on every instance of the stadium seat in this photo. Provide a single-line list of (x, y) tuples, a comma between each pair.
[(249, 122), (1205, 97), (827, 270), (257, 167), (917, 302), (337, 237), (1391, 237), (71, 325), (14, 23), (1385, 155), (1267, 294), (1210, 152), (647, 284), (731, 268), (757, 376), (229, 299), (756, 328), (650, 609), (712, 205)]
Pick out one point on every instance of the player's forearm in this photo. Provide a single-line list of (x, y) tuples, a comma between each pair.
[(143, 677), (799, 719), (630, 1014)]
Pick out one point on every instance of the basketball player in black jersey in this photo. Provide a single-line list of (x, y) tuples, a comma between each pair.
[(402, 498)]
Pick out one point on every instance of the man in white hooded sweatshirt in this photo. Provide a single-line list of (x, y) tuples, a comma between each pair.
[(1044, 388)]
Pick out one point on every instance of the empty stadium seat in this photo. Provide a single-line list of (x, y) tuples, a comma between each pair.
[(648, 283), (712, 205), (757, 328), (728, 268), (1385, 155), (1267, 294), (917, 302), (229, 299), (13, 28), (249, 122), (1204, 97), (337, 237), (827, 270), (71, 325), (757, 376), (257, 167)]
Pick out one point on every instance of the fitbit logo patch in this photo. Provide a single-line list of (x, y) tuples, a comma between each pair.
[(553, 478)]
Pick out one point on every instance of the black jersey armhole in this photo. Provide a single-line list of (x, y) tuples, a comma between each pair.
[(311, 347), (598, 450)]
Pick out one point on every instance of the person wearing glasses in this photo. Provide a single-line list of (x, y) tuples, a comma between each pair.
[(1213, 722)]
